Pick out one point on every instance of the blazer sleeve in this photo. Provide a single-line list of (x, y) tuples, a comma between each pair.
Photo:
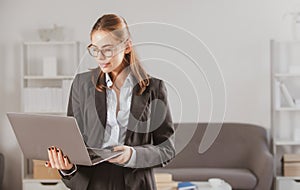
[(74, 111), (74, 108), (162, 150)]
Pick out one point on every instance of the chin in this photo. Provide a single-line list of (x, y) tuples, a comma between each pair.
[(105, 70)]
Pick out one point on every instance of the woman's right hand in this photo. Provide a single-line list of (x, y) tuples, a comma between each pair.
[(57, 159)]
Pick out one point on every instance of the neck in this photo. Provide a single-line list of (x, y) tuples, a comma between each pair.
[(118, 78), (119, 70)]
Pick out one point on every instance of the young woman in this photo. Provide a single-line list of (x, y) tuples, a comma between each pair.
[(117, 105)]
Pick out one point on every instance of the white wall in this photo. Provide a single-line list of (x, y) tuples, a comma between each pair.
[(237, 32)]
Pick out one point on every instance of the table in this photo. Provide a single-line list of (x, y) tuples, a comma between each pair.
[(204, 185)]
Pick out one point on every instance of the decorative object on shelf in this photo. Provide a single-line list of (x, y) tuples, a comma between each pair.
[(291, 24), (47, 34), (297, 102), (49, 66), (277, 94), (289, 99)]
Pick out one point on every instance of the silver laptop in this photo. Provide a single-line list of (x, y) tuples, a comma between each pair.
[(35, 133)]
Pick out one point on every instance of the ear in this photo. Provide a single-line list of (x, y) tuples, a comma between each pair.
[(128, 47)]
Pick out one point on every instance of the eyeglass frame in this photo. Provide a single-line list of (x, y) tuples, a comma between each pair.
[(100, 49)]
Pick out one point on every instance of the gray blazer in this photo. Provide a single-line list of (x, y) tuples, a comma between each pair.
[(150, 131)]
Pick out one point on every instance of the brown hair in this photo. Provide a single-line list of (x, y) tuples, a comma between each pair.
[(118, 27)]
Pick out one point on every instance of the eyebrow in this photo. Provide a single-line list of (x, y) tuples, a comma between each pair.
[(106, 45)]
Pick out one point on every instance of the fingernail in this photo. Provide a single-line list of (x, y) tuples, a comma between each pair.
[(57, 150), (52, 148), (46, 164), (49, 148)]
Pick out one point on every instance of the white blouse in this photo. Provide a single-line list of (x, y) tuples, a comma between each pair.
[(116, 124)]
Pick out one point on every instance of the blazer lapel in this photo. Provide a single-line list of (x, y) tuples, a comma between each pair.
[(139, 105), (100, 101)]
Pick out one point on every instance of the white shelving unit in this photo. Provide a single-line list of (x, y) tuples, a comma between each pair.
[(285, 118), (46, 94)]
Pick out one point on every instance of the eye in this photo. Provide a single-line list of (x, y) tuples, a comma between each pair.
[(107, 52), (93, 48)]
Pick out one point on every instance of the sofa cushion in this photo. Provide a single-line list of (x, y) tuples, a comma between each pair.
[(237, 178)]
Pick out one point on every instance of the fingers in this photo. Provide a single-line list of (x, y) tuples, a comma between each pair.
[(60, 159), (47, 164), (119, 148), (118, 160), (124, 157), (57, 159), (51, 159), (67, 163)]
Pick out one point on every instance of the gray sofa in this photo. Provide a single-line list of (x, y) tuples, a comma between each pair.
[(1, 169), (240, 155)]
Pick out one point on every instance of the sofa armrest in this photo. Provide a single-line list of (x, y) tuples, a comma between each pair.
[(261, 164)]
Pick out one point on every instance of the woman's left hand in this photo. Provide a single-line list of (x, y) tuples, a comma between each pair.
[(124, 157)]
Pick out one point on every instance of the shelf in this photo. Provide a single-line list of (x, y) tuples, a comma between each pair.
[(287, 178), (287, 143), (46, 95), (288, 109), (29, 178), (285, 75), (51, 43), (47, 78)]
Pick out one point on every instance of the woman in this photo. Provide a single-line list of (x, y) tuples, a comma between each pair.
[(117, 105)]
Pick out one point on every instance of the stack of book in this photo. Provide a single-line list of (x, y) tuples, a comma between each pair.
[(291, 165), (47, 99), (164, 181)]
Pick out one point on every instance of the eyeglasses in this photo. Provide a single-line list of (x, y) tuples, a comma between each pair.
[(107, 52)]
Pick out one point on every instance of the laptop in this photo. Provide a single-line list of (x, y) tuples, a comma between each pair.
[(36, 132)]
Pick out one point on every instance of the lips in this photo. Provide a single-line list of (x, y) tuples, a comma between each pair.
[(104, 65)]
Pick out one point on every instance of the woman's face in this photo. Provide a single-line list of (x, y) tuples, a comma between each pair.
[(104, 41)]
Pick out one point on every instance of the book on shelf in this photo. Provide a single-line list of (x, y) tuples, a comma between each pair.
[(289, 99), (47, 99), (186, 186), (66, 86), (43, 100), (297, 102)]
